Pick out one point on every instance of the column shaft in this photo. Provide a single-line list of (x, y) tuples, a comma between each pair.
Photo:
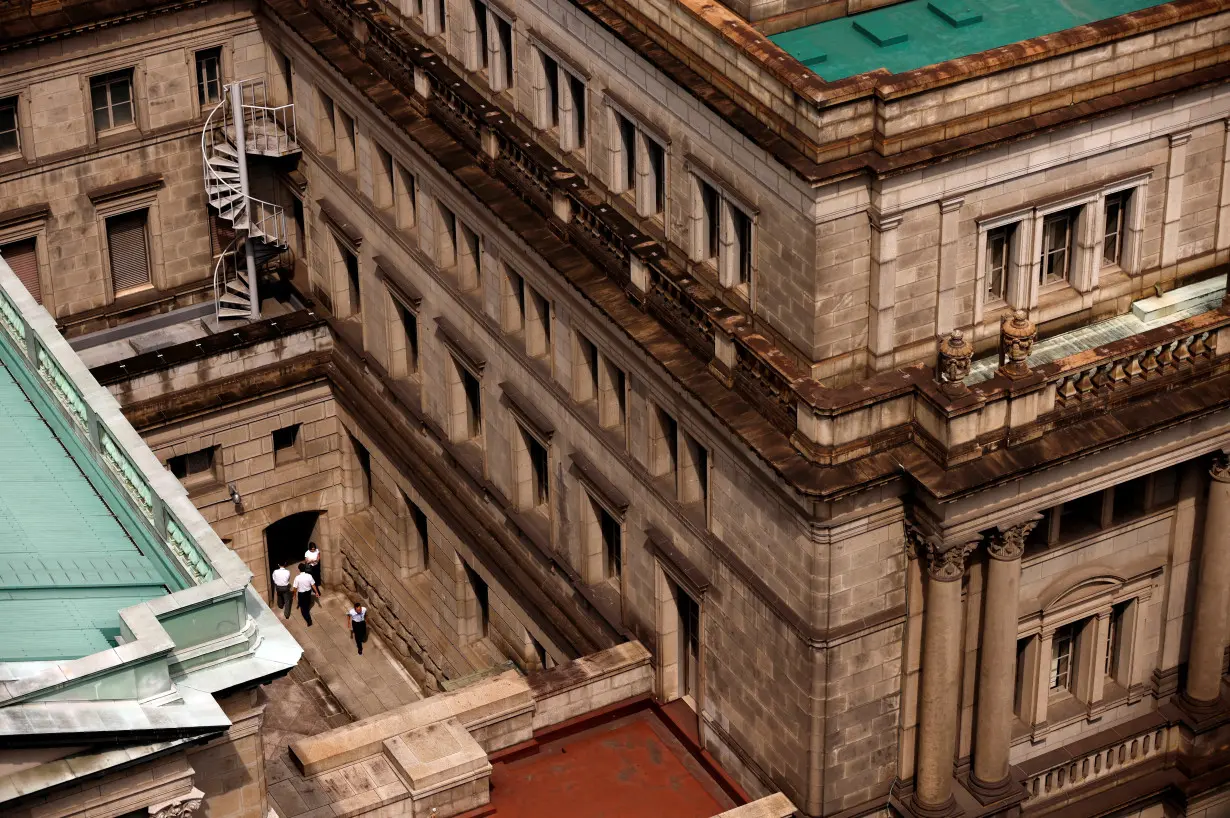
[(1209, 619), (941, 679)]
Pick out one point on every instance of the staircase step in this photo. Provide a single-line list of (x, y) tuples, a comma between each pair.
[(225, 312), (223, 173), (223, 161), (226, 150), (238, 288)]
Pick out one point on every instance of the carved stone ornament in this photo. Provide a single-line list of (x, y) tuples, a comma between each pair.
[(1219, 470), (956, 355), (183, 807), (1017, 335), (1008, 544), (915, 541), (948, 566)]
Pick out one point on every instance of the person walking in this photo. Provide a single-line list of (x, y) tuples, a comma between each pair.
[(281, 584), (358, 624), (305, 587), (312, 558)]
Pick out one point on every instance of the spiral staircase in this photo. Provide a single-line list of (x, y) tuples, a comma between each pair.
[(243, 125)]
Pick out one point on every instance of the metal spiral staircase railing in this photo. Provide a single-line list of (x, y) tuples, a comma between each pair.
[(240, 125)]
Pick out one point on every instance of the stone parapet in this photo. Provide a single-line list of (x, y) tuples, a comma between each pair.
[(590, 683)]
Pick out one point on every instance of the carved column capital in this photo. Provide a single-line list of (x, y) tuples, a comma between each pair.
[(915, 541), (184, 806), (1008, 543), (949, 565), (1219, 469)]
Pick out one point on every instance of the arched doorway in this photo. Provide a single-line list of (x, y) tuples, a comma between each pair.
[(287, 539)]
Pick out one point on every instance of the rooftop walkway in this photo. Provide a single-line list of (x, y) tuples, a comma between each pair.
[(66, 564), (918, 33)]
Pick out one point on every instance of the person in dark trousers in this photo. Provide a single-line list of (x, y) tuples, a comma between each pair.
[(312, 558), (306, 588), (281, 584), (358, 624)]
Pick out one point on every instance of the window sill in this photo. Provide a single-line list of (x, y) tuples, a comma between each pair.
[(144, 288)]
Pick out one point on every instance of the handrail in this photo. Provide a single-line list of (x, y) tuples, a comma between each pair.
[(229, 250)]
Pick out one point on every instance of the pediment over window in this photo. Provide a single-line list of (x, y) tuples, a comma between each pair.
[(1078, 586)]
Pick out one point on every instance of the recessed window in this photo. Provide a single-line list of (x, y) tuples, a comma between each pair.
[(480, 49), (538, 324), (531, 471), (722, 235), (663, 446), (382, 184), (10, 136), (111, 99), (479, 615), (612, 395), (1057, 235), (501, 65), (710, 233), (465, 404), (639, 166), (128, 251), (689, 644), (999, 249), (1115, 213), (348, 263), (602, 535), (363, 459), (209, 76), (561, 102), (406, 356), (1062, 652), (347, 146), (446, 239), (287, 445), (405, 193), (437, 17), (22, 258), (514, 301), (415, 533), (694, 473), (469, 258), (196, 470), (585, 382), (325, 123)]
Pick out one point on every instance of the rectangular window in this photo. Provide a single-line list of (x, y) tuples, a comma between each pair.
[(663, 446), (999, 249), (689, 644), (288, 77), (612, 395), (1062, 654), (655, 169), (405, 198), (414, 532), (481, 615), (10, 136), (111, 99), (469, 258), (573, 136), (364, 460), (514, 301), (383, 183), (480, 56), (694, 474), (603, 542), (209, 76), (326, 140), (502, 56), (196, 470), (351, 261), (710, 228), (1057, 247), (128, 251), (551, 99), (437, 17), (625, 160), (22, 258), (287, 445), (538, 324), (531, 471), (612, 544), (540, 473), (410, 337), (1146, 494), (585, 383), (1112, 237), (465, 404), (347, 147), (446, 244), (737, 252)]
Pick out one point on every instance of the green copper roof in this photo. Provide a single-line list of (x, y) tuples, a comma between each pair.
[(918, 33), (67, 566)]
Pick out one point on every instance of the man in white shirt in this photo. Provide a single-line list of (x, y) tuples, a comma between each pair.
[(305, 588), (312, 558), (281, 584), (358, 624)]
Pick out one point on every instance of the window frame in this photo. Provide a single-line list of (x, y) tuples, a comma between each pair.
[(201, 480), (200, 57), (108, 80), (14, 103), (557, 107), (296, 449)]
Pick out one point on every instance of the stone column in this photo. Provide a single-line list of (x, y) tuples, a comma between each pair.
[(989, 778), (1209, 619), (883, 290), (1176, 166), (941, 680)]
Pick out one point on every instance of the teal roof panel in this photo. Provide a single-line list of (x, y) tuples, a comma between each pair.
[(919, 33), (67, 566)]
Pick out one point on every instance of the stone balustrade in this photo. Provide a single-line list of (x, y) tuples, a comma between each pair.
[(1104, 763), (1136, 367)]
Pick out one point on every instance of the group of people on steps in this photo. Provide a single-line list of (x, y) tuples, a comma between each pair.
[(305, 586)]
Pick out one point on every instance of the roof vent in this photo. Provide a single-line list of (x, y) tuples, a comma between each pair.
[(881, 30), (957, 13)]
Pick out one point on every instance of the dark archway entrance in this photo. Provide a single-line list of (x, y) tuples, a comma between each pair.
[(287, 539)]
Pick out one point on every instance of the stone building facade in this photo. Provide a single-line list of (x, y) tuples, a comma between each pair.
[(618, 322)]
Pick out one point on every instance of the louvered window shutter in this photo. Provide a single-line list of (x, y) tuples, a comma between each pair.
[(24, 261), (128, 250)]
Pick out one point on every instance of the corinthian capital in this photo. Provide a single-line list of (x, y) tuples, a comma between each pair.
[(1219, 470), (915, 541), (185, 806), (949, 565), (1008, 543)]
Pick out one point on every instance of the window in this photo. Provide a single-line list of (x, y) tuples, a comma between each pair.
[(382, 184), (561, 103), (612, 397), (196, 470), (349, 264), (469, 257), (209, 76), (287, 445), (531, 471), (663, 446), (1115, 214), (363, 459), (603, 541), (694, 473), (111, 99), (346, 145), (415, 534), (689, 645), (479, 615), (465, 404), (999, 250), (10, 137), (1057, 247), (288, 83), (709, 231), (722, 235), (639, 168), (501, 60), (405, 196), (437, 17), (22, 258), (446, 239), (585, 382), (406, 357), (538, 324), (514, 302), (128, 252), (326, 139), (1144, 495), (480, 48), (1062, 644)]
